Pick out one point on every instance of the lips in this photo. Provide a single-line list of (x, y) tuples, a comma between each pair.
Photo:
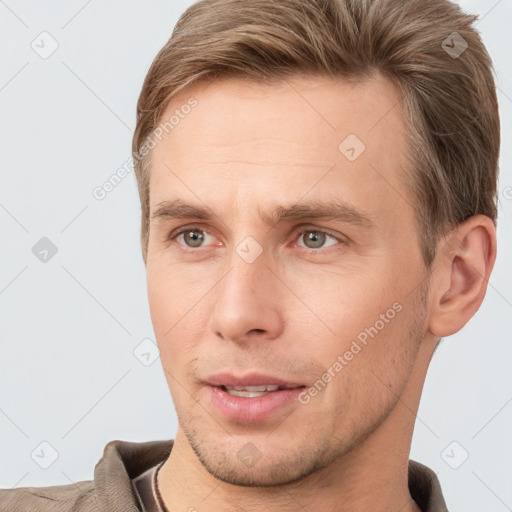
[(252, 398), (258, 381), (251, 386)]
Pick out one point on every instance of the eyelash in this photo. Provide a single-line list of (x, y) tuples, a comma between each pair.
[(172, 238)]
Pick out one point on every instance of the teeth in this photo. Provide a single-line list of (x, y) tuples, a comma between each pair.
[(250, 391), (265, 387), (247, 394)]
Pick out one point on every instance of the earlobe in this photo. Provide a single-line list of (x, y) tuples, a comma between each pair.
[(463, 264)]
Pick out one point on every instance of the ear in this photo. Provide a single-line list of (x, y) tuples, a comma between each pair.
[(464, 261)]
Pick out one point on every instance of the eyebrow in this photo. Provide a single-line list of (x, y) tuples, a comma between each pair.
[(334, 210)]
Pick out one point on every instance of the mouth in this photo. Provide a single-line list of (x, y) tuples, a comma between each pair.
[(252, 398), (253, 391)]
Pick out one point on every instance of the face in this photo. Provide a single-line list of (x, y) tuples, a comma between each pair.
[(283, 250)]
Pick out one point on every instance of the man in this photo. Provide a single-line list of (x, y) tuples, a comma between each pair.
[(317, 181)]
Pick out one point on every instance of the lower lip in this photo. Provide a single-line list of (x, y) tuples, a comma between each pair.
[(256, 408)]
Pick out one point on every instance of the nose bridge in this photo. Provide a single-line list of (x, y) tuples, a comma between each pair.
[(247, 258), (246, 300), (245, 282)]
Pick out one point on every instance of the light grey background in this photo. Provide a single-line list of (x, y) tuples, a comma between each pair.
[(69, 327)]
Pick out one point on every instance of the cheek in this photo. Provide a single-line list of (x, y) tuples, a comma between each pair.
[(165, 311), (370, 324), (370, 377), (178, 313), (349, 308), (170, 295)]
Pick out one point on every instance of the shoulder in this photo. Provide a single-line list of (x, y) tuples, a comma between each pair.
[(77, 497)]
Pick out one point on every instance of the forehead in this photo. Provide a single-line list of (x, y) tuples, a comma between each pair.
[(242, 110), (243, 137)]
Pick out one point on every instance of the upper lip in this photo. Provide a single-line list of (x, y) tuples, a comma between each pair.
[(250, 379)]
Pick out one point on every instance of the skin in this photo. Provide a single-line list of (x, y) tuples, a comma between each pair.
[(248, 148)]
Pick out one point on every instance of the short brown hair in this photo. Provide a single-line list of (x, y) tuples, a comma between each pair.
[(449, 101)]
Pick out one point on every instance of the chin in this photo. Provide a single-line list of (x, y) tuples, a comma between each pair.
[(261, 461)]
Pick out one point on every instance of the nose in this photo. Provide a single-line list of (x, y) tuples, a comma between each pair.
[(247, 303)]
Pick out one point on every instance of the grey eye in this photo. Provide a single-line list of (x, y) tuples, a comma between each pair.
[(193, 237), (314, 239)]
